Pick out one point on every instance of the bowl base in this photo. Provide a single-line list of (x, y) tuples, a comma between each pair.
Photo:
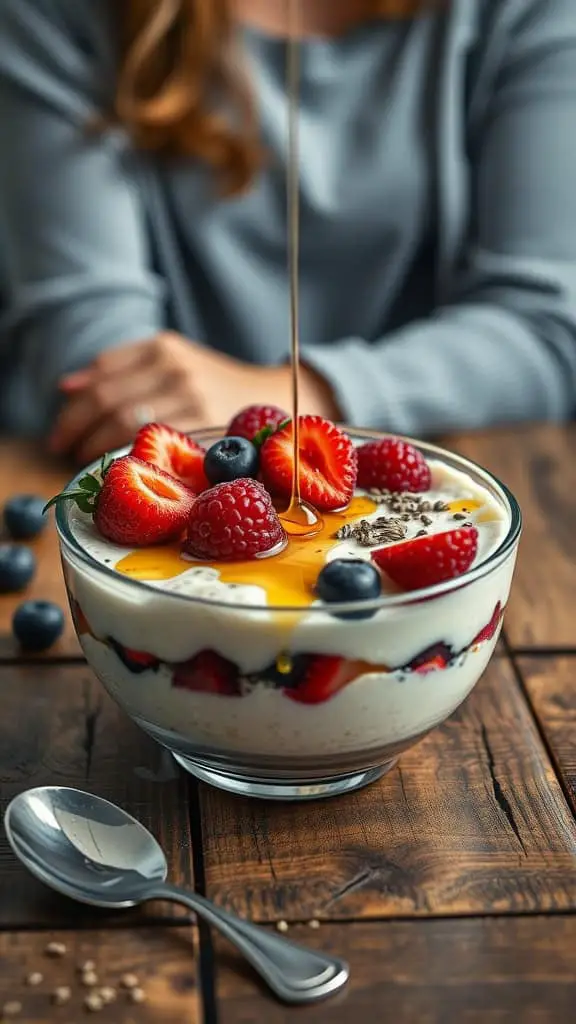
[(283, 789)]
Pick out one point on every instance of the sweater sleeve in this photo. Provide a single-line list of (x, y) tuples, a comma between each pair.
[(74, 268), (502, 348)]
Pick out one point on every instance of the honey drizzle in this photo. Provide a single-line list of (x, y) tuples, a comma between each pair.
[(299, 519), (288, 579)]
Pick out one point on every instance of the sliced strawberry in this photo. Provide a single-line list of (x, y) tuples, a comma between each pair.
[(173, 452), (80, 621), (431, 660), (419, 563), (489, 630), (327, 463), (256, 422), (135, 661), (139, 505), (324, 677), (394, 465), (208, 672)]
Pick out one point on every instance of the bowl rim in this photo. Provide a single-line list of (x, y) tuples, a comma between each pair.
[(69, 543)]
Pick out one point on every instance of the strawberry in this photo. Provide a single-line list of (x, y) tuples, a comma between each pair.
[(256, 422), (135, 661), (488, 632), (233, 521), (432, 659), (139, 505), (414, 564), (132, 503), (325, 675), (393, 465), (80, 621), (327, 463), (207, 672), (173, 452)]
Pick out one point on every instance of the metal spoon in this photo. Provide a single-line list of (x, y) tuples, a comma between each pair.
[(92, 851)]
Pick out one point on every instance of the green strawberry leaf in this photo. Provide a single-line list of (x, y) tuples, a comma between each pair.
[(89, 483), (260, 437), (64, 496), (107, 461), (86, 503)]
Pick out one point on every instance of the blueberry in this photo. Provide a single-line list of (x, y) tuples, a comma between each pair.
[(17, 567), (347, 580), (37, 625), (230, 459), (23, 516)]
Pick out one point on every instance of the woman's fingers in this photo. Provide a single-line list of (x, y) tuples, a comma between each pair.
[(123, 359), (115, 400)]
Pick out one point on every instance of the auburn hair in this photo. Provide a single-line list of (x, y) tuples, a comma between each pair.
[(181, 92)]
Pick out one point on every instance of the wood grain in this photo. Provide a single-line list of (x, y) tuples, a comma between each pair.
[(551, 686), (475, 971), (538, 464), (472, 821), (58, 727), (24, 471), (164, 961)]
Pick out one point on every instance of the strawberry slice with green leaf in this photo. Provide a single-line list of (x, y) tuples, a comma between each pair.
[(174, 453), (132, 503)]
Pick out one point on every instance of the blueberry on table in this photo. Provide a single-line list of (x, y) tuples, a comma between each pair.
[(37, 625), (24, 517), (17, 567), (232, 458), (346, 580)]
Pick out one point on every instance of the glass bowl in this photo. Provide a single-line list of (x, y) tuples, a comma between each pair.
[(220, 684)]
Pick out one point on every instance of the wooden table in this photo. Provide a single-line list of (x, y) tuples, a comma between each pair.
[(450, 885)]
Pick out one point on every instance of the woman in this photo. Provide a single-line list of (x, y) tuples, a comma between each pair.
[(143, 259)]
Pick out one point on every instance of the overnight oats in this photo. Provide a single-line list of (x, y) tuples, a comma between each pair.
[(275, 664)]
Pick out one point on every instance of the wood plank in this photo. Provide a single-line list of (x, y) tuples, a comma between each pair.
[(474, 971), (472, 821), (26, 471), (551, 686), (539, 465), (162, 960), (59, 727)]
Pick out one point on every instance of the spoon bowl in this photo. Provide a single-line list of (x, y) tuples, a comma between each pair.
[(84, 847), (92, 851)]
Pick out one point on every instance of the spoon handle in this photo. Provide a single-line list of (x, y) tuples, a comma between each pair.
[(296, 974)]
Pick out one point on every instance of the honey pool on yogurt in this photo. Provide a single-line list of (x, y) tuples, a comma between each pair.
[(288, 578)]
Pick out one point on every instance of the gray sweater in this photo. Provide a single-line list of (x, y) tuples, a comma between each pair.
[(438, 190)]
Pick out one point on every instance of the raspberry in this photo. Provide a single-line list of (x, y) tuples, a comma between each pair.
[(233, 522), (252, 421), (393, 465)]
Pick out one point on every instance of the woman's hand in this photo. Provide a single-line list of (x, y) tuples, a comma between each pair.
[(171, 380)]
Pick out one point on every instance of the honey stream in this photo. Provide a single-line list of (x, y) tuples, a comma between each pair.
[(299, 519), (289, 577)]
